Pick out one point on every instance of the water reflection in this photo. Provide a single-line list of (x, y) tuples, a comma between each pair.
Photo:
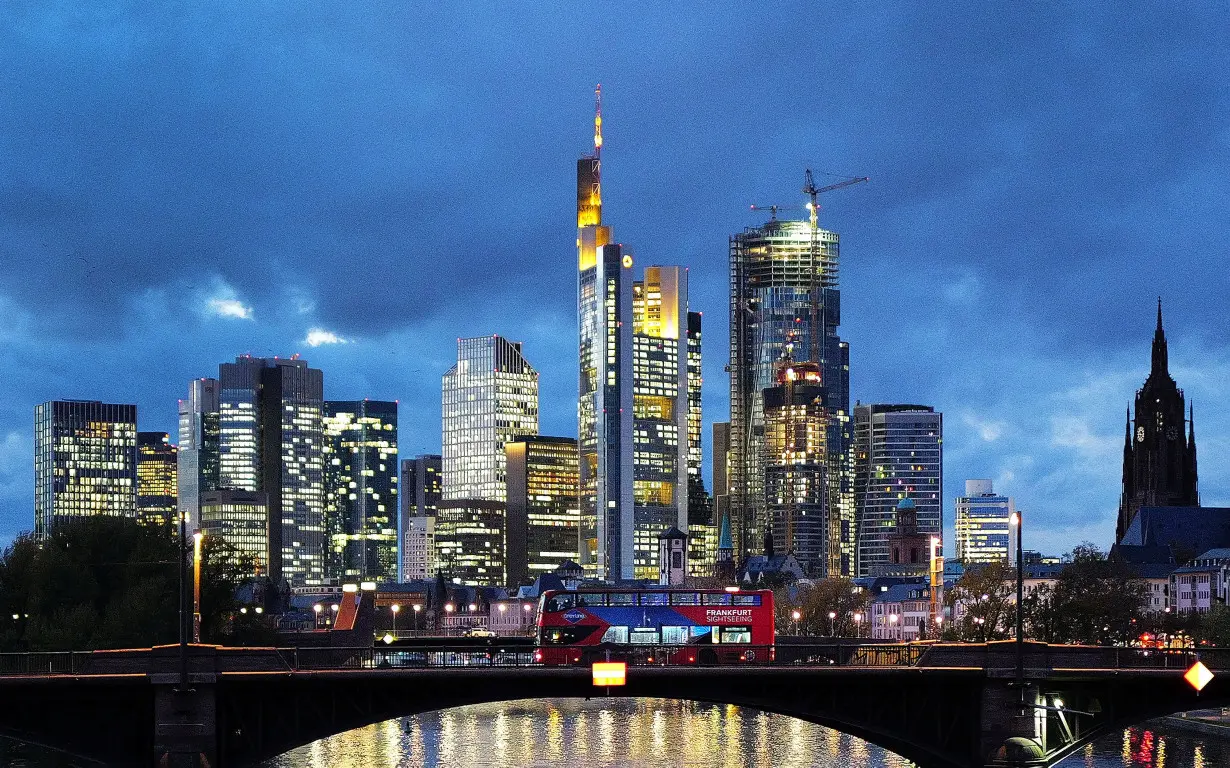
[(640, 733)]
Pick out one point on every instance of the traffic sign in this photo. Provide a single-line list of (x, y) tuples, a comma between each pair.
[(1198, 676), (610, 673)]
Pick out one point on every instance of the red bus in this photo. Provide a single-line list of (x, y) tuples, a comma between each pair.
[(680, 626)]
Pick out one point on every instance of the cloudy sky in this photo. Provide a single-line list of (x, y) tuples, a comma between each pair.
[(184, 182)]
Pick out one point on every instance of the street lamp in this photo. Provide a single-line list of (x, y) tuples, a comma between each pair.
[(1020, 599), (832, 623), (417, 608), (858, 619), (796, 616), (197, 536), (318, 608), (394, 608), (892, 622)]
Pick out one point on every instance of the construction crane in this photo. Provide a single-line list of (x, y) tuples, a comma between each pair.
[(773, 209), (811, 190)]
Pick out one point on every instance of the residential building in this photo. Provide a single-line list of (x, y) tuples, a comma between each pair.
[(542, 506), (470, 542), (85, 461), (902, 613), (272, 441), (898, 453), (1202, 584), (418, 553), (1159, 455), (784, 293), (419, 494), (513, 617), (361, 487), (489, 398), (157, 490), (241, 518), (199, 454), (983, 529)]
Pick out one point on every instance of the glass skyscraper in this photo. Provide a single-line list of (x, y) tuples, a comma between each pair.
[(489, 398), (470, 542), (200, 434), (361, 489), (784, 291), (241, 518), (543, 512), (898, 454), (271, 441), (419, 494), (157, 489), (85, 461), (983, 528)]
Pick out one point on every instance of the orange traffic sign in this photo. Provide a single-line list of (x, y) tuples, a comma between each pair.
[(1198, 676), (610, 672)]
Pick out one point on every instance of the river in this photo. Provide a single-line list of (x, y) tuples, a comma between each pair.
[(651, 733)]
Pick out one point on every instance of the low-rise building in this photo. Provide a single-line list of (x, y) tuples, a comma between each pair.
[(902, 613), (1200, 585), (513, 617)]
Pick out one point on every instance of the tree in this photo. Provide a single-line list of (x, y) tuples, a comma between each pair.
[(1094, 600), (987, 597), (815, 601)]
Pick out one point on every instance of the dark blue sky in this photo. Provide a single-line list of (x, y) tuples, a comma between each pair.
[(184, 182)]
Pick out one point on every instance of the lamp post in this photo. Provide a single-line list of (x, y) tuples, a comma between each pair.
[(183, 601), (832, 623), (318, 608), (197, 536), (892, 623), (796, 616), (417, 609), (394, 608), (1020, 607), (858, 620)]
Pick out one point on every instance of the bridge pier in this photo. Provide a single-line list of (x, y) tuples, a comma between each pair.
[(185, 710)]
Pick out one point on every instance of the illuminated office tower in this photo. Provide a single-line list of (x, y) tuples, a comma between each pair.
[(784, 289), (156, 481), (470, 542), (361, 488), (85, 461), (489, 398), (419, 495), (983, 532), (898, 454), (702, 526), (543, 513), (241, 519), (660, 412), (200, 433), (271, 441), (796, 470)]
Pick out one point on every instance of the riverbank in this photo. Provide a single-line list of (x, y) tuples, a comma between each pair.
[(1206, 722)]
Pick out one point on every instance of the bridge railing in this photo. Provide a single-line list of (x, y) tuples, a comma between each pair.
[(44, 663)]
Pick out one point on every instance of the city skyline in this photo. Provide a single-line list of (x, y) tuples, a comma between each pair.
[(1000, 216)]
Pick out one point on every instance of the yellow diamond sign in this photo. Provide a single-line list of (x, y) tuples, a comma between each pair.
[(1198, 676)]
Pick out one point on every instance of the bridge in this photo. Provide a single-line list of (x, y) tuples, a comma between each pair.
[(939, 705)]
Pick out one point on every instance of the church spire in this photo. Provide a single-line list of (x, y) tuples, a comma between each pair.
[(1192, 476), (1160, 363)]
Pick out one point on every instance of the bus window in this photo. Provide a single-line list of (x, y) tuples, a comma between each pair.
[(745, 599), (737, 635), (675, 635), (653, 598), (621, 598), (565, 635), (588, 599), (615, 635), (561, 602), (703, 635), (721, 598), (685, 598), (645, 636)]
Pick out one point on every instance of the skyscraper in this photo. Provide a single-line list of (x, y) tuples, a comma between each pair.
[(489, 398), (543, 512), (419, 495), (241, 518), (85, 461), (983, 531), (361, 487), (470, 542), (200, 434), (272, 442), (156, 479), (784, 292), (898, 454), (1159, 455)]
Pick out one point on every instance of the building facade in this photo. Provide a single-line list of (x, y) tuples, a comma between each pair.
[(419, 495), (241, 518), (85, 461), (983, 525), (470, 542), (1159, 455), (489, 398), (543, 508), (272, 442), (157, 488), (898, 454), (199, 454), (784, 291), (361, 490)]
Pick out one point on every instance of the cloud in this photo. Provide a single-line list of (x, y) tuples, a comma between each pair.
[(319, 336), (989, 431), (230, 308)]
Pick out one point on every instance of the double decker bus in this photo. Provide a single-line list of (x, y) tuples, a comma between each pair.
[(678, 626)]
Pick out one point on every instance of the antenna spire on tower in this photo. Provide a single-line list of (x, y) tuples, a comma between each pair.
[(598, 120)]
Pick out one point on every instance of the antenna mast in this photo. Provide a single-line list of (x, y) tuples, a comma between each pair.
[(598, 121)]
